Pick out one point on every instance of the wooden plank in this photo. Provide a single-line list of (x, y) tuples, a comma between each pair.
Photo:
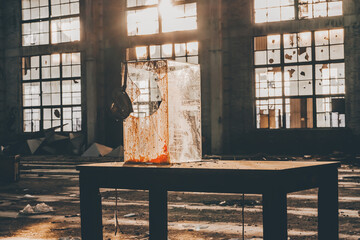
[(217, 165)]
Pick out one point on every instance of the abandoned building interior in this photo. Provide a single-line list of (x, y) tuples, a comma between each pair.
[(208, 78), (276, 76)]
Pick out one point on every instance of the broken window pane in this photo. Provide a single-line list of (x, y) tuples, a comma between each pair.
[(269, 113), (268, 82), (296, 47), (337, 36), (330, 112), (298, 80), (51, 117), (302, 80), (299, 112), (272, 55), (55, 91), (35, 33), (330, 78), (330, 44), (320, 8)]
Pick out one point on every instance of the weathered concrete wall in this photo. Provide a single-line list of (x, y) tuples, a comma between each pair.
[(352, 63), (11, 11), (210, 39), (240, 129), (238, 93), (114, 54), (93, 89)]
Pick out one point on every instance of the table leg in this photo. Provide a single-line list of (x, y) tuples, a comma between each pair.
[(328, 206), (90, 209), (275, 216), (158, 214)]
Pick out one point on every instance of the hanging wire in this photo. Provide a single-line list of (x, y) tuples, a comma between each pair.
[(243, 216), (117, 225), (242, 213)]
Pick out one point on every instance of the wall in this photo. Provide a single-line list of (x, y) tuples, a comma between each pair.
[(240, 133), (11, 43), (225, 32)]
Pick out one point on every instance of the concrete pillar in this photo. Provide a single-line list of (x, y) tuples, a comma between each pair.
[(114, 55), (11, 14), (212, 80), (238, 92), (352, 63), (91, 37)]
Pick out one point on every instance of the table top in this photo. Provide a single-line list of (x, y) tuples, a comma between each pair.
[(210, 176), (217, 165)]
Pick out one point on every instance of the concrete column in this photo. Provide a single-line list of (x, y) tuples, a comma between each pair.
[(212, 80), (11, 15), (91, 36), (352, 63)]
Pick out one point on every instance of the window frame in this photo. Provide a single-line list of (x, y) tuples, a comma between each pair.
[(297, 5), (314, 95), (61, 79), (173, 56), (49, 19), (159, 17)]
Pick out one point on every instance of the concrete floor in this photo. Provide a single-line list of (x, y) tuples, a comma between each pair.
[(54, 181)]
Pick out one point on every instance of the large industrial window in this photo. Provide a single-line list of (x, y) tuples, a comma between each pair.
[(182, 52), (50, 21), (282, 10), (274, 10), (300, 79), (320, 8), (157, 16), (52, 92)]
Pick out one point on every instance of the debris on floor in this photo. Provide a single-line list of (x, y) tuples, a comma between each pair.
[(130, 215), (38, 209), (117, 152), (97, 150)]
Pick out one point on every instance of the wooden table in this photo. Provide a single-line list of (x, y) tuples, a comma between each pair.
[(270, 178)]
